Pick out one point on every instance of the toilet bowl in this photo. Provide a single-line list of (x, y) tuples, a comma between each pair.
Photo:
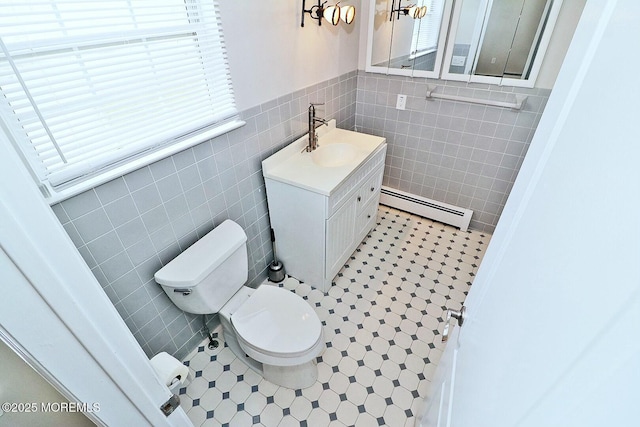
[(278, 331)]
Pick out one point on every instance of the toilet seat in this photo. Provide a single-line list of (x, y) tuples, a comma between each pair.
[(278, 327)]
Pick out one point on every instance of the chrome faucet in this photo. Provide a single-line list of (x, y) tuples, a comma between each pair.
[(314, 123)]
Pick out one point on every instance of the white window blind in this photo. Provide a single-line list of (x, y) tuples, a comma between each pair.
[(427, 30), (86, 84)]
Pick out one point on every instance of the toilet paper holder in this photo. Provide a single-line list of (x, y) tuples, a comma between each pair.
[(169, 370)]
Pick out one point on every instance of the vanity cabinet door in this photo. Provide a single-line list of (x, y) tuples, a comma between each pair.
[(341, 228), (370, 190), (367, 209), (366, 220)]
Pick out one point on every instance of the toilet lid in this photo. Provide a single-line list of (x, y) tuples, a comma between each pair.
[(277, 321)]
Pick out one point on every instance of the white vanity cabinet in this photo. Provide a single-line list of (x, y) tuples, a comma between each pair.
[(321, 214), (354, 216)]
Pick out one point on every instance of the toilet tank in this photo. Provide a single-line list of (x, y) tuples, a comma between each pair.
[(204, 277)]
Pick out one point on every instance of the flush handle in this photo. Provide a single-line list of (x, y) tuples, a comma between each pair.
[(184, 292), (453, 314)]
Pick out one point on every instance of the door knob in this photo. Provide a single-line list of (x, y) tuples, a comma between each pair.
[(452, 314)]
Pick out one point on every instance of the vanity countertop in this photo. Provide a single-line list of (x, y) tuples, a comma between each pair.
[(294, 166)]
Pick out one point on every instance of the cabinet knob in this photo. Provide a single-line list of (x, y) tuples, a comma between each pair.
[(359, 198)]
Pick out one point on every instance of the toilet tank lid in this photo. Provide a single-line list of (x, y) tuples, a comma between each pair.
[(200, 259)]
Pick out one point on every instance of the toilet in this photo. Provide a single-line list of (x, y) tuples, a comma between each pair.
[(272, 330)]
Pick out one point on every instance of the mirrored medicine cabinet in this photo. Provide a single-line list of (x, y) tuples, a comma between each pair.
[(486, 41)]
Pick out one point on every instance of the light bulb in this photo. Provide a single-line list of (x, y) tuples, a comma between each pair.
[(347, 14), (332, 14), (414, 11)]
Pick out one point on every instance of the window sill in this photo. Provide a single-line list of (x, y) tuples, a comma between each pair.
[(58, 194)]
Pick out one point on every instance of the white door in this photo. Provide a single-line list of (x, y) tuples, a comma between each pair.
[(552, 331), (55, 315)]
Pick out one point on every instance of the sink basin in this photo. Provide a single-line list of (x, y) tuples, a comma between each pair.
[(339, 153), (334, 155)]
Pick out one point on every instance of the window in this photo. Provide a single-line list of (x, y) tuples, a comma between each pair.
[(86, 84), (427, 30)]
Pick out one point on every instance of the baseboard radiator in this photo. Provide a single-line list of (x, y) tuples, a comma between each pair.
[(442, 212)]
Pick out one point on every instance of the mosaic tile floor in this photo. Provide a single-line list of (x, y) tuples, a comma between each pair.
[(381, 323)]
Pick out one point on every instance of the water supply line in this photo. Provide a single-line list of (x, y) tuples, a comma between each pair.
[(213, 343)]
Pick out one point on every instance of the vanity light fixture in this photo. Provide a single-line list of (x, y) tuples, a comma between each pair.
[(413, 10), (333, 14), (347, 14)]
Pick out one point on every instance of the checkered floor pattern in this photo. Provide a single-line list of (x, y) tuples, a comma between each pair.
[(382, 320)]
